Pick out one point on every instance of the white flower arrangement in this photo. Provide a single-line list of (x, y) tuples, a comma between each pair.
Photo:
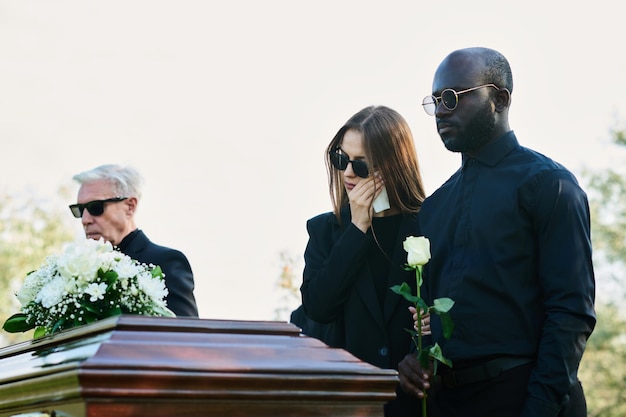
[(88, 282)]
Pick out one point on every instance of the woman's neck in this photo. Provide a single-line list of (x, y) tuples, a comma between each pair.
[(386, 213)]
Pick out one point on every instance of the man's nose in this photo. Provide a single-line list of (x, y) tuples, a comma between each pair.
[(441, 110), (86, 218)]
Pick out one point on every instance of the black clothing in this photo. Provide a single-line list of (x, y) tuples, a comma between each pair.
[(175, 266), (501, 396), (510, 244), (385, 234), (330, 333), (339, 287)]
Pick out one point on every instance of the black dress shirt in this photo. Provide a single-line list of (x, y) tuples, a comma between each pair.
[(510, 244)]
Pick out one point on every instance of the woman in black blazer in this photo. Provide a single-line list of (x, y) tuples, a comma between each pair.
[(354, 254)]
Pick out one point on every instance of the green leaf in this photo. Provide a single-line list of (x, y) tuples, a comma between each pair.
[(436, 353), (115, 311), (424, 358), (442, 305), (93, 308), (405, 291), (58, 326), (17, 323), (446, 325), (90, 318), (157, 272), (109, 277), (422, 304), (435, 367), (39, 332)]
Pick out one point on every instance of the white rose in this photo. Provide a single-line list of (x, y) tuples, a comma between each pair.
[(418, 249)]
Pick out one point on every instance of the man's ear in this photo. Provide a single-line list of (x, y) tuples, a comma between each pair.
[(131, 205), (503, 99)]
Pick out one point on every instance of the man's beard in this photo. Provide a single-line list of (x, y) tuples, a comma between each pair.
[(476, 133)]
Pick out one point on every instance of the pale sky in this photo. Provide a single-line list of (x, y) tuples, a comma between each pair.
[(226, 107)]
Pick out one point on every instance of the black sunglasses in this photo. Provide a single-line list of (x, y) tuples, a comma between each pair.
[(95, 207), (341, 161)]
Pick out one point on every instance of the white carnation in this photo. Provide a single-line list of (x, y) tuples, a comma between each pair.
[(96, 291), (31, 286), (52, 293), (127, 268), (152, 287)]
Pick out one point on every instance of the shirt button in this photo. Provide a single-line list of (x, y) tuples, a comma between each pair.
[(383, 351)]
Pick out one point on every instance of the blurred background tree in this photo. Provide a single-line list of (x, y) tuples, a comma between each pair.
[(603, 369), (288, 285), (30, 230)]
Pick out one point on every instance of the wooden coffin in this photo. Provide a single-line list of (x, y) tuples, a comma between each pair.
[(154, 366)]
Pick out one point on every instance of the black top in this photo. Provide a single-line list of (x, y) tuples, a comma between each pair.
[(339, 289), (384, 231), (510, 244)]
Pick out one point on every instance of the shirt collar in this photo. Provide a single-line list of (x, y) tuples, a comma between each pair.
[(127, 239), (495, 151)]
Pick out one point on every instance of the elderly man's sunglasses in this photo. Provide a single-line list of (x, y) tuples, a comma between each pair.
[(341, 161), (95, 207)]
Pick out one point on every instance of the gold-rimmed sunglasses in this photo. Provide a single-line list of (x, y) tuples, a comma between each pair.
[(449, 98)]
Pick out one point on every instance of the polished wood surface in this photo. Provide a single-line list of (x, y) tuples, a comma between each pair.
[(148, 366)]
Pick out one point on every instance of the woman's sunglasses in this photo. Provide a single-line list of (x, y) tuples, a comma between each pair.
[(95, 207), (340, 162)]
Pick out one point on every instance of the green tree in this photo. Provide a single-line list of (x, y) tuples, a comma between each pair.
[(30, 230), (608, 206), (602, 370)]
